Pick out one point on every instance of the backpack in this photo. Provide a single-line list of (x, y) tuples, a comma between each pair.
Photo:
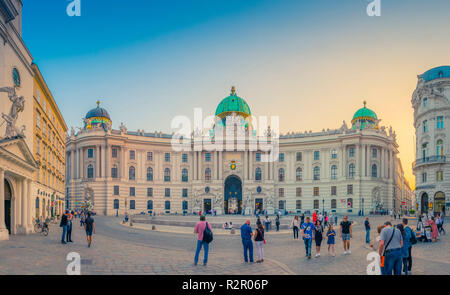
[(413, 239), (207, 235)]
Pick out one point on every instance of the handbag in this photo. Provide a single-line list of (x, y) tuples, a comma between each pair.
[(385, 247)]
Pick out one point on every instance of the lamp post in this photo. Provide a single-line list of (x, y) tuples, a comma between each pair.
[(323, 206), (362, 209)]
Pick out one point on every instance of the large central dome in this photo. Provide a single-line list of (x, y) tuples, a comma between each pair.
[(233, 104)]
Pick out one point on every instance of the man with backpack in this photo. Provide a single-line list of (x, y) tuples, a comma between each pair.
[(391, 243), (204, 236), (409, 240)]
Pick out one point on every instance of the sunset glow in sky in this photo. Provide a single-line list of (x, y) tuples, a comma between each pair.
[(312, 63)]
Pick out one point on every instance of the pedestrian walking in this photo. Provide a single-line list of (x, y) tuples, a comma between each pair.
[(82, 218), (246, 236), (277, 222), (302, 218), (318, 236), (267, 223), (408, 240), (89, 227), (202, 240), (391, 243), (346, 234), (295, 225), (69, 227), (440, 224), (434, 229), (367, 226), (307, 234), (259, 242), (63, 225), (331, 234)]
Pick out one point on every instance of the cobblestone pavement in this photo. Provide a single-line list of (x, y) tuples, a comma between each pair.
[(122, 250)]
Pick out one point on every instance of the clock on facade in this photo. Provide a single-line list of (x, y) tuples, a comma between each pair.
[(16, 77)]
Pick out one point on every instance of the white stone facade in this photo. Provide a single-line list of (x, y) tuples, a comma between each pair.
[(431, 103), (90, 163)]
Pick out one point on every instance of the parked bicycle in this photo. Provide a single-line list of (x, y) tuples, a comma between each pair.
[(41, 227)]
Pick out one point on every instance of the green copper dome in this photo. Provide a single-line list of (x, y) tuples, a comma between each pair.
[(233, 104), (364, 113)]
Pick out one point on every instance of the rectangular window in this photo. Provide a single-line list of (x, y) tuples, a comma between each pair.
[(374, 153), (281, 205), (425, 102), (167, 192), (90, 153), (316, 204), (281, 157), (185, 193), (298, 204), (38, 120), (38, 146), (350, 189), (114, 152), (258, 157), (281, 192), (132, 191), (132, 155), (351, 152), (334, 190), (316, 155), (424, 177), (167, 157), (299, 156), (298, 191), (333, 154), (316, 191), (425, 126), (184, 158), (207, 157), (149, 192), (440, 122), (132, 204), (149, 156)]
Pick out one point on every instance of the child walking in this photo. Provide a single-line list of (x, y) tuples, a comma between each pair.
[(331, 234)]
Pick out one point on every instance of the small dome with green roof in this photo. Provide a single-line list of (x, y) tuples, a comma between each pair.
[(365, 117), (233, 104)]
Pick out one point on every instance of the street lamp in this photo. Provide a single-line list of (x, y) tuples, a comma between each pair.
[(323, 206), (362, 209)]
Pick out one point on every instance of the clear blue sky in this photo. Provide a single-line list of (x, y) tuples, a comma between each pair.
[(310, 62)]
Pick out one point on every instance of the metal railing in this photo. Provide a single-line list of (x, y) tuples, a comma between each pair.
[(430, 160)]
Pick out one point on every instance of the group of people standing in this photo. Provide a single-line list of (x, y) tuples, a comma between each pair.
[(66, 224)]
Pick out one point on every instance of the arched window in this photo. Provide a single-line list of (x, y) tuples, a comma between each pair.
[(425, 151), (114, 171), (440, 148), (316, 173), (333, 204), (90, 171), (351, 170), (281, 174), (116, 204), (374, 171), (258, 173), (132, 173), (149, 205), (167, 174), (184, 175), (149, 174), (207, 174), (299, 174), (334, 172)]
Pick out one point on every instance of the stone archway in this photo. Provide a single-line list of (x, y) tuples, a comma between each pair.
[(233, 195), (8, 205)]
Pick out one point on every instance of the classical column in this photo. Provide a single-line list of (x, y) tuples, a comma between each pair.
[(97, 161), (251, 156), (266, 172), (3, 231), (246, 166), (24, 197), (28, 204), (122, 162), (220, 165), (194, 177), (215, 174), (106, 161), (72, 164)]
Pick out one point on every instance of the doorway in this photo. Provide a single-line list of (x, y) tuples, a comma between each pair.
[(233, 195), (207, 206), (259, 205), (8, 198)]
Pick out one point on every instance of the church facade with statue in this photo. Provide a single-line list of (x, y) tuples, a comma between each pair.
[(349, 170)]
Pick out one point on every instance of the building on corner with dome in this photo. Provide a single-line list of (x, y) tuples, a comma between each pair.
[(431, 103), (349, 170)]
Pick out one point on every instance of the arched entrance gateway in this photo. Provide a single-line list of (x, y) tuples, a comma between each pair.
[(233, 195), (8, 199), (439, 202), (424, 203)]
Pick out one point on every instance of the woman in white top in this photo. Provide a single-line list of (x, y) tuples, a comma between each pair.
[(295, 225)]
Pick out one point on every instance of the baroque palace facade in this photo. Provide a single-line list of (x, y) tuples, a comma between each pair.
[(31, 181), (431, 103), (352, 170)]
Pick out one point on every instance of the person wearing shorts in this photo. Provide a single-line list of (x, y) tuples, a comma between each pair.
[(89, 227), (346, 234)]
